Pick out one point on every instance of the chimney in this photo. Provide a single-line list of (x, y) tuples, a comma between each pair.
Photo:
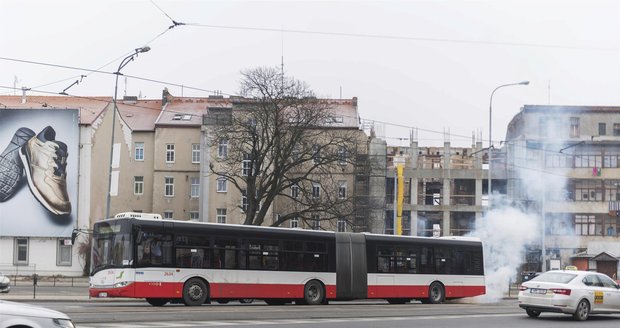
[(24, 89), (166, 97)]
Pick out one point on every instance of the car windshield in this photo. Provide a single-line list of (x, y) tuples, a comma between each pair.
[(557, 277)]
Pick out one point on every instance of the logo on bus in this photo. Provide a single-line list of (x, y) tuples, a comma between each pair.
[(168, 274)]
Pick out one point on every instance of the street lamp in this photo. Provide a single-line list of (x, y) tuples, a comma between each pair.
[(490, 139), (123, 63)]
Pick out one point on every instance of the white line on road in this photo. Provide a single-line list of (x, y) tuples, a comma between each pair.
[(288, 321)]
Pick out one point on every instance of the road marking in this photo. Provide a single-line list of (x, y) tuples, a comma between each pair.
[(287, 321)]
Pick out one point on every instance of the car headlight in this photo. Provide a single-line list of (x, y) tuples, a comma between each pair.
[(121, 284), (65, 323)]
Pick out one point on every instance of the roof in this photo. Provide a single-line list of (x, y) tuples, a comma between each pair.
[(186, 111), (567, 109), (603, 256), (90, 107), (140, 115)]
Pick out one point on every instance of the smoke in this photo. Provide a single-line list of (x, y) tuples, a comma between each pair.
[(504, 232)]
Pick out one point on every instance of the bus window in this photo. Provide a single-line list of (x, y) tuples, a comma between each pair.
[(291, 256), (384, 260), (427, 263), (412, 262), (155, 249), (192, 258), (225, 254)]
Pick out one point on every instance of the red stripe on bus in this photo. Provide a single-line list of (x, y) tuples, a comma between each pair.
[(406, 291), (220, 290), (217, 290)]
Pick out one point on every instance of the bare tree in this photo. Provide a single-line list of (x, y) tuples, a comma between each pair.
[(282, 148)]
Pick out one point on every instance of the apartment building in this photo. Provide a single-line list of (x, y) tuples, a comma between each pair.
[(348, 181), (562, 163), (445, 189)]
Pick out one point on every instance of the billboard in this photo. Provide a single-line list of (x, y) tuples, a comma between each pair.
[(38, 172)]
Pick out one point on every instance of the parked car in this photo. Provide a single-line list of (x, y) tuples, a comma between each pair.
[(5, 283), (13, 314), (579, 293)]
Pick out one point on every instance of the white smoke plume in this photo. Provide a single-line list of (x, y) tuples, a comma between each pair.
[(504, 233)]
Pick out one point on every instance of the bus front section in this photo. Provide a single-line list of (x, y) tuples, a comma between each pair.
[(112, 273)]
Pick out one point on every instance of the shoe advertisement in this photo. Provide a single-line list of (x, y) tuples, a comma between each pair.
[(38, 172)]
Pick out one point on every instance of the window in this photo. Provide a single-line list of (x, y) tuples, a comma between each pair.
[(294, 191), (222, 184), (168, 215), (138, 185), (574, 127), (616, 129), (63, 252), (222, 148), (342, 225), (20, 255), (169, 153), (195, 153), (316, 190), (294, 223), (315, 222), (585, 225), (220, 215), (194, 216), (342, 190), (316, 154), (246, 165), (138, 151), (342, 156), (195, 187), (169, 187), (602, 129), (244, 200)]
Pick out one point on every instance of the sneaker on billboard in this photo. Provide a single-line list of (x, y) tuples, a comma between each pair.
[(45, 161), (11, 168)]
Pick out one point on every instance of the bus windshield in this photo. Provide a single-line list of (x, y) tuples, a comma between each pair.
[(111, 246)]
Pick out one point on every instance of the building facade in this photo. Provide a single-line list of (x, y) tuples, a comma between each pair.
[(562, 163)]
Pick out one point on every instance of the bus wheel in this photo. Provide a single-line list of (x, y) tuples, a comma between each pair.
[(195, 292), (436, 293), (314, 293), (157, 301)]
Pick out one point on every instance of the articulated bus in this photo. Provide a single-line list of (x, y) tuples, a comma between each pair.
[(196, 263)]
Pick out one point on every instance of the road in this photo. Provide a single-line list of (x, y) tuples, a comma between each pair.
[(505, 314)]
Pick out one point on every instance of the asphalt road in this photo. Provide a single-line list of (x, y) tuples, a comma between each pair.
[(505, 314)]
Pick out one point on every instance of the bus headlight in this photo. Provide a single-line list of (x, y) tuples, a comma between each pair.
[(121, 284)]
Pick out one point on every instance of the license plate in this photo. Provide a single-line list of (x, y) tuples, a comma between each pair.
[(103, 294), (538, 291)]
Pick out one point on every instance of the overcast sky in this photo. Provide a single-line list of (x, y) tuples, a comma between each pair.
[(425, 64)]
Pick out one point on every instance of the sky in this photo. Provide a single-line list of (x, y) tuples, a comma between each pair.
[(429, 65)]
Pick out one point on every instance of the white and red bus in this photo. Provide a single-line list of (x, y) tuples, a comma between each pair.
[(195, 263)]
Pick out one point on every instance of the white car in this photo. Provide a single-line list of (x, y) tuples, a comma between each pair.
[(5, 283), (13, 314), (579, 293)]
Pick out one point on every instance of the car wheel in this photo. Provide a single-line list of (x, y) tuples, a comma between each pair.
[(436, 293), (582, 311), (246, 300), (195, 292), (532, 313)]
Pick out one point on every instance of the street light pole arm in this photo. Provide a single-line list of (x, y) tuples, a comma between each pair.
[(123, 63)]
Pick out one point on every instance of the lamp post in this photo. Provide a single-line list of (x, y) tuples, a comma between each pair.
[(123, 63), (490, 139)]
